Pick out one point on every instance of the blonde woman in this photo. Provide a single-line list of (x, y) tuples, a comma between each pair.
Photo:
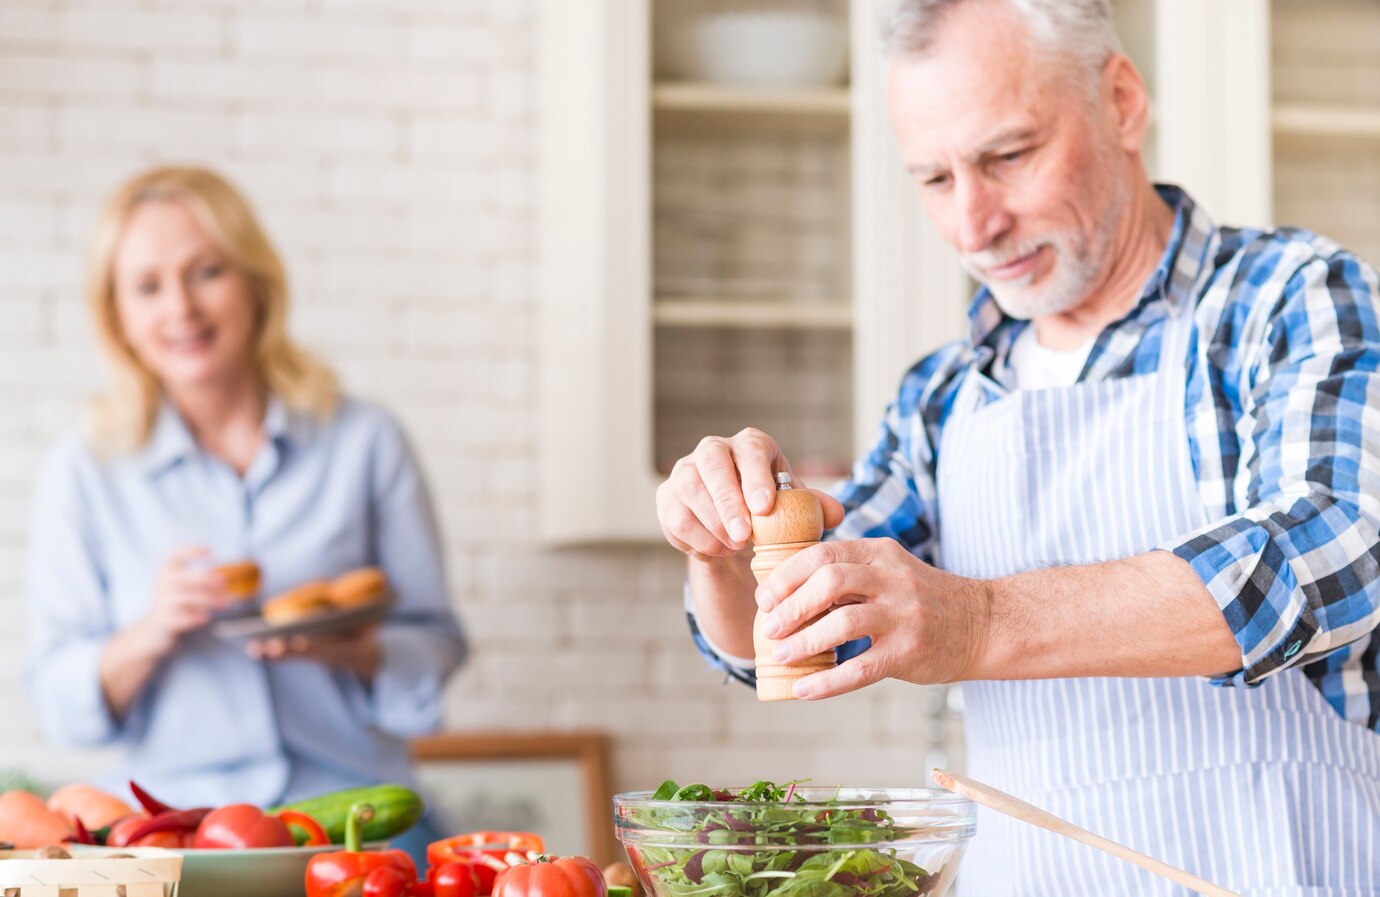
[(220, 440)]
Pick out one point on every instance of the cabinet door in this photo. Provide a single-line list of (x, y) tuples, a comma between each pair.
[(597, 482), (1326, 91), (1208, 69)]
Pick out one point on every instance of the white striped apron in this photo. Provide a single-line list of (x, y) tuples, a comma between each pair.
[(1266, 790)]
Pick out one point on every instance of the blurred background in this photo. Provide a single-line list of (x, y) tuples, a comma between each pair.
[(562, 241)]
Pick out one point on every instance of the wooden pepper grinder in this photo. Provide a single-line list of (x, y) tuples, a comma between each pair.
[(796, 522)]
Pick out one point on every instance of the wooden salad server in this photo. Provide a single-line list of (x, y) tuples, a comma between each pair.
[(1000, 801), (795, 523)]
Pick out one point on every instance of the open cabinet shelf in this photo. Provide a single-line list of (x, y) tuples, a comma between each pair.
[(753, 314), (1316, 120), (682, 96)]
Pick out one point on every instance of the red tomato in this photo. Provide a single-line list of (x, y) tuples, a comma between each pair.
[(385, 881), (561, 877), (455, 879), (240, 826)]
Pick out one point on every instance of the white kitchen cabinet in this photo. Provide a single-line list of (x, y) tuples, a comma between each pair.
[(1265, 110), (1207, 67), (637, 349), (1325, 61)]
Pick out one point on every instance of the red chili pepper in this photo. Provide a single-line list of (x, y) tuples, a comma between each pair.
[(118, 834), (183, 821), (153, 805), (80, 833), (346, 872)]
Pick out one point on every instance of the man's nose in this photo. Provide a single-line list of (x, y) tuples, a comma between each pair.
[(982, 215)]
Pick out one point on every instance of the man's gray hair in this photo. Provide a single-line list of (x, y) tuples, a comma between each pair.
[(1082, 31)]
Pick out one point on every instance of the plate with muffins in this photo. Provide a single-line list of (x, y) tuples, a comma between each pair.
[(319, 607)]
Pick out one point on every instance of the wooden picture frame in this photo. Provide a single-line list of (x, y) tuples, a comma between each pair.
[(455, 767)]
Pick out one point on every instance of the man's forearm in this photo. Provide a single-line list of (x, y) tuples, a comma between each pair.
[(1148, 615), (722, 590)]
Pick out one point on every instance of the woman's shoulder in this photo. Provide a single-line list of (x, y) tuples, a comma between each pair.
[(74, 451), (363, 417), (70, 465), (365, 425)]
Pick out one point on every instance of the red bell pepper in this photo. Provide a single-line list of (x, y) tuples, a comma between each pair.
[(316, 835), (495, 844), (482, 856), (372, 873)]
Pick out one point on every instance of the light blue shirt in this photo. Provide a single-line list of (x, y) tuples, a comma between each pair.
[(215, 726)]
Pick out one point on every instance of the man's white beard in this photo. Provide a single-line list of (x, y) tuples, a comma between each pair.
[(1075, 268)]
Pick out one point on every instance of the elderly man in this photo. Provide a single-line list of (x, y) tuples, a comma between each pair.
[(1136, 511)]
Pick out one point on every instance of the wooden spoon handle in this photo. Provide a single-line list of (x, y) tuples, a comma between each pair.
[(994, 799)]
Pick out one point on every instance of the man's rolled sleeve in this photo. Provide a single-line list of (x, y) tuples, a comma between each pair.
[(1296, 572), (740, 669)]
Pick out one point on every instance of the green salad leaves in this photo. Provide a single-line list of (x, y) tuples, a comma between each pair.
[(763, 842)]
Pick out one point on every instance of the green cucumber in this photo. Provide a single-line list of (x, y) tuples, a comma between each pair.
[(396, 809), (620, 891)]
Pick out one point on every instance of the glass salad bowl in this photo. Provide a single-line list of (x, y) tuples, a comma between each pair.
[(787, 841)]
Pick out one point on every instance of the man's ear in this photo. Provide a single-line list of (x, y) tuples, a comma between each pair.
[(1127, 101)]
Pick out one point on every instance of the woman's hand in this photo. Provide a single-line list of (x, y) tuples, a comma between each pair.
[(926, 626), (357, 651), (185, 595), (705, 505)]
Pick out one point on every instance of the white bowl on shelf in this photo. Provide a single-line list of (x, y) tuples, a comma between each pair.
[(781, 44)]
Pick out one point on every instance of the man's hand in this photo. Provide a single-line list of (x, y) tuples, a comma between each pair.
[(705, 504), (926, 626)]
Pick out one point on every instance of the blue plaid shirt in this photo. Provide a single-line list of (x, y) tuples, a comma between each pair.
[(1281, 372)]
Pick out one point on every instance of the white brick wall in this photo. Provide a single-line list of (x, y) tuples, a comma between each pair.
[(388, 146)]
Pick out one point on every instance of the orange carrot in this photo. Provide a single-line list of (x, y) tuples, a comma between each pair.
[(94, 807), (26, 822)]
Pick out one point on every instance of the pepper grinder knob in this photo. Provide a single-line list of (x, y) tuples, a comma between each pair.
[(795, 523)]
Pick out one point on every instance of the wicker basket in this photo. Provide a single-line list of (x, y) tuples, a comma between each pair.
[(151, 872)]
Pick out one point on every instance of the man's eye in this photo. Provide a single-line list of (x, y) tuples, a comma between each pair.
[(938, 180), (1013, 156)]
